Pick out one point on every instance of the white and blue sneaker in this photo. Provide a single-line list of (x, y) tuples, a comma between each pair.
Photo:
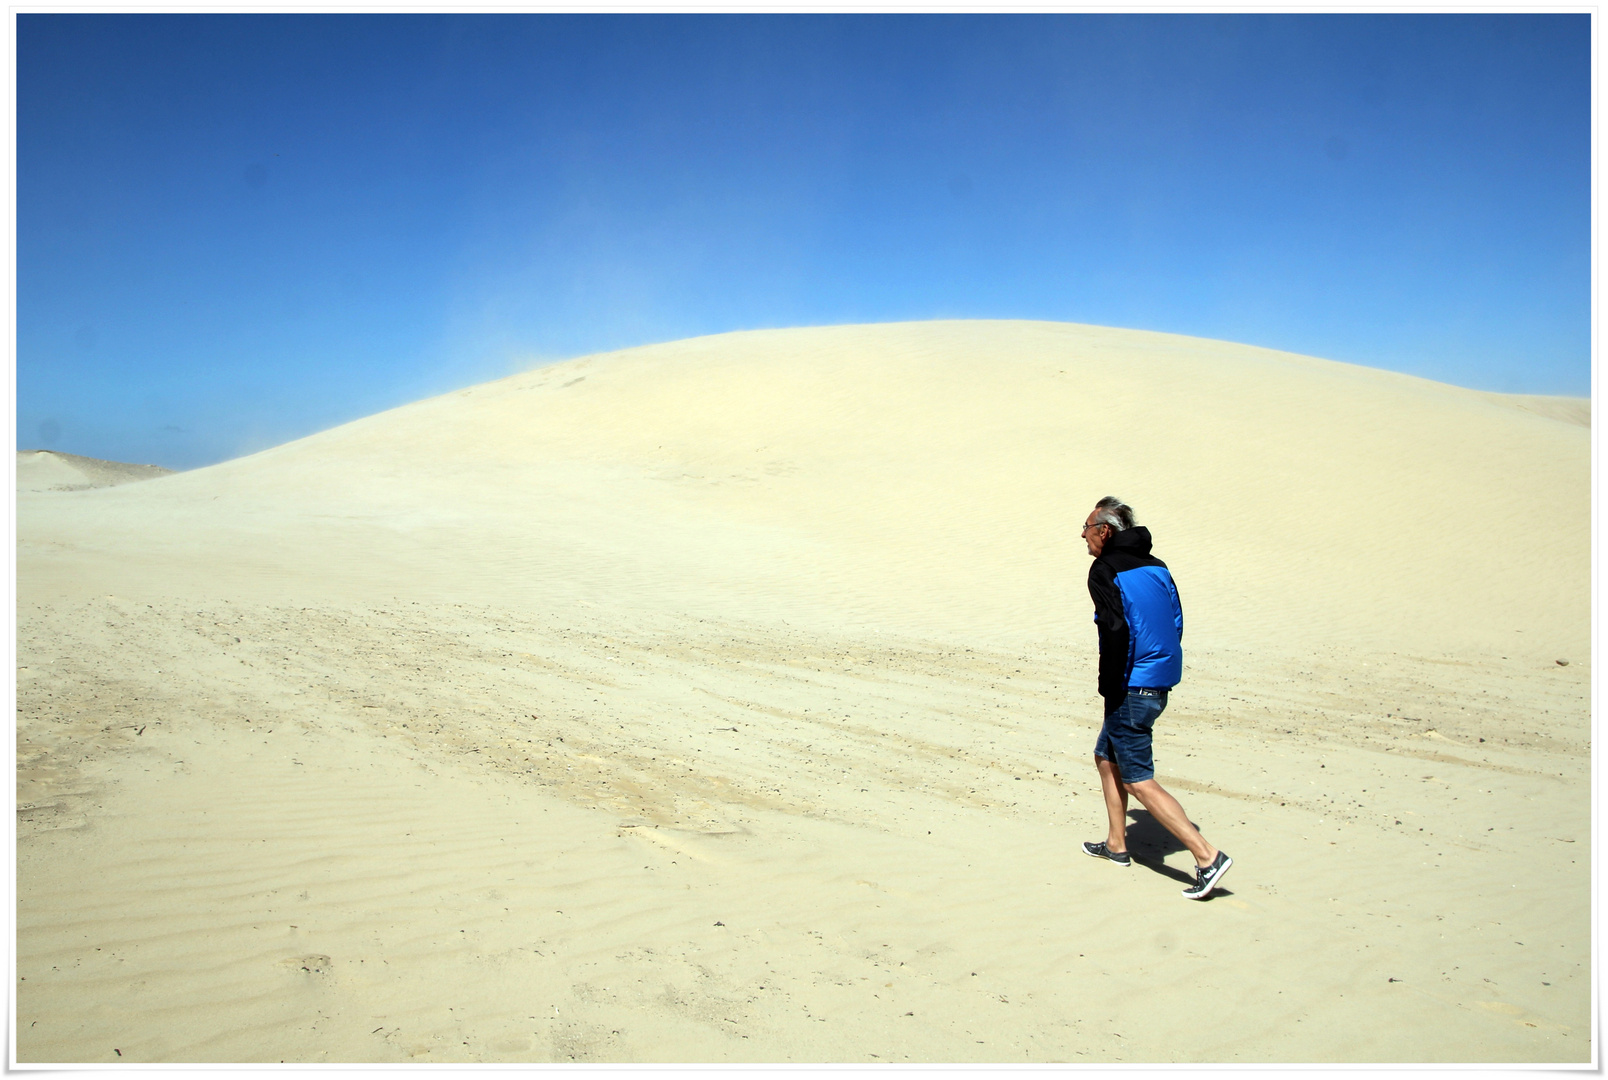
[(1207, 877)]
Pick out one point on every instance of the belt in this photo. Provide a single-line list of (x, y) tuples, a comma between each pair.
[(1149, 691)]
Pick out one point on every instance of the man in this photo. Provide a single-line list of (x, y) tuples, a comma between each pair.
[(1141, 626)]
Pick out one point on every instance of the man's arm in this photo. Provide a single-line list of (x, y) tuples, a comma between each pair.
[(1178, 607), (1113, 630)]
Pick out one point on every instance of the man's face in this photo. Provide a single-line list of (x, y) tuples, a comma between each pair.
[(1094, 535)]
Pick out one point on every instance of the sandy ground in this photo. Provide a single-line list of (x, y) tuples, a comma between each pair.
[(732, 700)]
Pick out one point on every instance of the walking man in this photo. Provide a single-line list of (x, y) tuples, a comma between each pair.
[(1141, 626)]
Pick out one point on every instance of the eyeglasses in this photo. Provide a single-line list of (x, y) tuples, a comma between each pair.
[(1096, 525)]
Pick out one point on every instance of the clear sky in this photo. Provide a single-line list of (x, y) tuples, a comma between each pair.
[(234, 230)]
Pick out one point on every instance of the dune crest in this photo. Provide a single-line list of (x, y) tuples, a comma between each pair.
[(1571, 410), (931, 476), (54, 470)]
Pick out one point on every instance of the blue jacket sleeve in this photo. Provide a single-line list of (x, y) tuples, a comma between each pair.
[(1178, 608)]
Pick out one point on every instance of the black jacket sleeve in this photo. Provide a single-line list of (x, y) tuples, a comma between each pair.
[(1113, 631)]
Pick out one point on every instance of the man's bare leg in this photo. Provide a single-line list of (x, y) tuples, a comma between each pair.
[(1165, 809), (1116, 801)]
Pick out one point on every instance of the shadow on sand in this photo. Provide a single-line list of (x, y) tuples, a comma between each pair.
[(1149, 843)]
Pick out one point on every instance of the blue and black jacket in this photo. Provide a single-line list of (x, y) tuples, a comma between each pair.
[(1140, 621)]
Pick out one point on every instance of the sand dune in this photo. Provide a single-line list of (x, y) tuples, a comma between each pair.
[(52, 470), (731, 699)]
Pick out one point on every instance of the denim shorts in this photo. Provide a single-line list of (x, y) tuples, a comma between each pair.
[(1125, 736)]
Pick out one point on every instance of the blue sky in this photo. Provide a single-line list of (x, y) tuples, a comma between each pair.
[(234, 230)]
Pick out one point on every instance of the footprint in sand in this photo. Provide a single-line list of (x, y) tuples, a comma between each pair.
[(316, 964)]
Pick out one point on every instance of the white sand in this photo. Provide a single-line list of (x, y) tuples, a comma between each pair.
[(732, 700)]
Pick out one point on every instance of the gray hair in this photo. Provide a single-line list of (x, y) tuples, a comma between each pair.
[(1114, 512)]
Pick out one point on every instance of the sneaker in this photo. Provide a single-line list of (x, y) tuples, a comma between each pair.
[(1100, 851), (1207, 877)]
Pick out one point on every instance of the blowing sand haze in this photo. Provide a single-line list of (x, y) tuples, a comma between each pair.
[(733, 699)]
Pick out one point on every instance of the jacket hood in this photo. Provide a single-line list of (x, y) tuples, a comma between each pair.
[(1135, 541)]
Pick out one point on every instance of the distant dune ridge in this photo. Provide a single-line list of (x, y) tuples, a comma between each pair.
[(52, 470), (1572, 410), (732, 699)]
